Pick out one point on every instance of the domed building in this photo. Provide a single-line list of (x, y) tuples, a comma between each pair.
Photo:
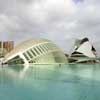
[(36, 51)]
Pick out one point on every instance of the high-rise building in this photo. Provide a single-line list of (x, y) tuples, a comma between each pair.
[(6, 47)]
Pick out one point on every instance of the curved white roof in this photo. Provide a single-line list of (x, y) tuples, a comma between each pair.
[(85, 47), (25, 45)]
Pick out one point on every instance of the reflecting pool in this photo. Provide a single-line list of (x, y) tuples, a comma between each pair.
[(50, 82)]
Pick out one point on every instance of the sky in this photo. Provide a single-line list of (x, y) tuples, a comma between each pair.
[(61, 21)]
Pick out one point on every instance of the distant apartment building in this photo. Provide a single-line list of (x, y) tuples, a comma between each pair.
[(6, 47)]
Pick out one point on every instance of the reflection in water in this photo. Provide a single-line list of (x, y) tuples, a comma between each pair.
[(50, 82)]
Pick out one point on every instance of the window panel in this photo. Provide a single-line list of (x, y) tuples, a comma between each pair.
[(26, 56), (33, 52), (30, 55), (42, 48), (37, 51)]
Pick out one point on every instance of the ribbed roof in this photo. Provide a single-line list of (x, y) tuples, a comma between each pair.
[(25, 45)]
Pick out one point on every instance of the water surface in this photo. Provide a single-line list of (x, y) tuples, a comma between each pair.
[(50, 82)]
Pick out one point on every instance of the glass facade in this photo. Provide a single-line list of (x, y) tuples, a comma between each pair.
[(30, 55), (16, 60), (34, 54), (44, 53), (26, 56)]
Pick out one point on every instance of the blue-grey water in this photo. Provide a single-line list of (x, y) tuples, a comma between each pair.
[(50, 82)]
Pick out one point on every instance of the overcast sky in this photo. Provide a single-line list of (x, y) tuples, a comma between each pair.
[(61, 21)]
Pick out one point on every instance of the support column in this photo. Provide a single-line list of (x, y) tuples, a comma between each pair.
[(25, 60)]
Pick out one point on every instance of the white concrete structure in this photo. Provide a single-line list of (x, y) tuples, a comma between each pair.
[(39, 51), (84, 51)]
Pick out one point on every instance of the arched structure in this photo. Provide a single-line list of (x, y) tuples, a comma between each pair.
[(37, 51)]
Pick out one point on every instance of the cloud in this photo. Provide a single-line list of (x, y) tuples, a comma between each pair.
[(78, 1), (61, 21)]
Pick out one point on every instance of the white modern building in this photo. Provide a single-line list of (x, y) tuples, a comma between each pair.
[(37, 51), (84, 51)]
